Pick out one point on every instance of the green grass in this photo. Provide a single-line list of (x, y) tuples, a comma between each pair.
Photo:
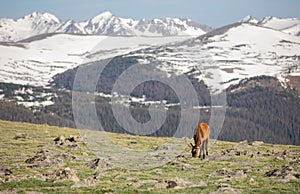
[(13, 154)]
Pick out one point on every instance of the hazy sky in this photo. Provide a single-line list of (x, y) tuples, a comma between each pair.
[(214, 13)]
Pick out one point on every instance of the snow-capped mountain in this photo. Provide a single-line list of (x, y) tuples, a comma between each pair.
[(231, 53), (287, 25), (35, 61), (249, 19), (29, 25), (227, 55), (104, 24)]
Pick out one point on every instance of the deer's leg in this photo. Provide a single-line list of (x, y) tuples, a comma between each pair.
[(206, 146), (200, 149), (203, 144)]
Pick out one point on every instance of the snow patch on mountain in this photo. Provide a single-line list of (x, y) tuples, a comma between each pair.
[(36, 62)]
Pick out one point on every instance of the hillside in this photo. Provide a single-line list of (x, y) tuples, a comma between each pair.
[(258, 108), (39, 158)]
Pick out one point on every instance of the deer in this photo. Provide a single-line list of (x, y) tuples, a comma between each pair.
[(201, 136)]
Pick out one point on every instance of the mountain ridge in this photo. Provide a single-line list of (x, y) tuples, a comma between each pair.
[(105, 23)]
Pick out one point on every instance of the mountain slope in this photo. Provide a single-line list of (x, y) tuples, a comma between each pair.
[(103, 24), (227, 55), (36, 60), (286, 25)]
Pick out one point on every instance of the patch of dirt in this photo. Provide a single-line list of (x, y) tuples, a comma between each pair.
[(294, 82), (229, 173), (228, 190), (10, 191), (231, 70), (141, 182), (181, 165)]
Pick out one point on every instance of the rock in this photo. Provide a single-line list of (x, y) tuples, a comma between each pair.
[(4, 171), (256, 143), (285, 152), (59, 140), (47, 158), (223, 182), (296, 162), (88, 182), (93, 164), (286, 172), (73, 138), (280, 158), (101, 164), (69, 174), (158, 171), (251, 180), (70, 142), (171, 184), (243, 142), (20, 136), (64, 174)]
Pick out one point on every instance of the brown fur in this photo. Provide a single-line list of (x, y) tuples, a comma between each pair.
[(201, 136)]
